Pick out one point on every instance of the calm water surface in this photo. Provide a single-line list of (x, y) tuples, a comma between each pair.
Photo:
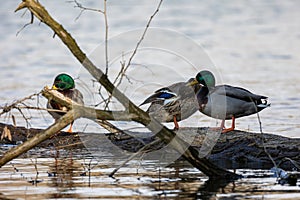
[(252, 44), (67, 175)]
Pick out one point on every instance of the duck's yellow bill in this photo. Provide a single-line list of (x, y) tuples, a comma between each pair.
[(193, 82), (54, 87)]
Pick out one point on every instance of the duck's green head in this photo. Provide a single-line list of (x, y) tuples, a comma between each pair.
[(206, 78), (63, 82)]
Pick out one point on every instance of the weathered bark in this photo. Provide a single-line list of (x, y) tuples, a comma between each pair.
[(188, 152)]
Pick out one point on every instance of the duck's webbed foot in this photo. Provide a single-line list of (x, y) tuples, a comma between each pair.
[(226, 130)]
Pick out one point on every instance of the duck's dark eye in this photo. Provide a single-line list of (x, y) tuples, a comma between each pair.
[(200, 79)]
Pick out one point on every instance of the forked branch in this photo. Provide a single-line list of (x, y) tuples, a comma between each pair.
[(166, 135)]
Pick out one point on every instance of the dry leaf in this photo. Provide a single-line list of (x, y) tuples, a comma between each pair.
[(6, 134)]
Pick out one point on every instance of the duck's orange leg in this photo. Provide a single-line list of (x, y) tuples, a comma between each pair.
[(70, 128), (225, 130), (175, 123)]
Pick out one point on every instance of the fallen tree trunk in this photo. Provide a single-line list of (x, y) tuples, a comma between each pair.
[(236, 149)]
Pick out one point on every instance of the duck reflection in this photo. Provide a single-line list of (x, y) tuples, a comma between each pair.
[(62, 172)]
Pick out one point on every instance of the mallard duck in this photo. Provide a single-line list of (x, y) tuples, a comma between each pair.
[(225, 101), (64, 84), (173, 103)]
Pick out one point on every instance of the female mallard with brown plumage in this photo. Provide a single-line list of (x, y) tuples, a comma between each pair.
[(173, 103), (64, 84), (225, 101)]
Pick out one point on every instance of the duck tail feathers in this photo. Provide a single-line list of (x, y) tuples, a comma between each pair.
[(264, 103)]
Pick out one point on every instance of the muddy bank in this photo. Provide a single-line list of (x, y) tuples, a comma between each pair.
[(236, 149)]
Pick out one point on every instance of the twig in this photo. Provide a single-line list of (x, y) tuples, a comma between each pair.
[(110, 127), (104, 100), (37, 139), (292, 161), (79, 5), (8, 108), (27, 24), (104, 12), (106, 37), (124, 69), (263, 141), (25, 118), (35, 180), (69, 145), (39, 108)]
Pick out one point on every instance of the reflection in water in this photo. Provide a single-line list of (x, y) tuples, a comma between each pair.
[(62, 170), (212, 187), (67, 176)]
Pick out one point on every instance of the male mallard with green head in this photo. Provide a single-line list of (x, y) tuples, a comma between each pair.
[(225, 101), (64, 84), (173, 103)]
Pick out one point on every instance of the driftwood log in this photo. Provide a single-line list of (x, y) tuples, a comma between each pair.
[(236, 149)]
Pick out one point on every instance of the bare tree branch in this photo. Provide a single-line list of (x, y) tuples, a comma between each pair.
[(124, 69), (106, 37), (8, 108), (263, 141), (79, 5), (104, 12), (25, 25), (87, 112), (166, 135)]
